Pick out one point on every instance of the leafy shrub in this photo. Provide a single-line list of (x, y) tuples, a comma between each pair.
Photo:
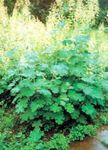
[(53, 79), (64, 90), (104, 118), (17, 142), (79, 132), (58, 142), (7, 120)]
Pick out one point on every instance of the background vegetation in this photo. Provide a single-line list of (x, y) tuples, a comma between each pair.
[(53, 72)]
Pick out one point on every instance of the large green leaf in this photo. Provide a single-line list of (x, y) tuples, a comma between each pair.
[(55, 108), (65, 86), (45, 92), (27, 88), (22, 104), (69, 108), (37, 104), (60, 69), (89, 109), (34, 106), (75, 96), (27, 115), (59, 118), (75, 115), (35, 135)]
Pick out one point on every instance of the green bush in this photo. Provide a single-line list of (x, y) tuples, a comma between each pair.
[(16, 142), (65, 90), (104, 118), (58, 142), (79, 132), (53, 83)]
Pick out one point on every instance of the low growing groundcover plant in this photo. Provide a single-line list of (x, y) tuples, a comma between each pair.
[(55, 100)]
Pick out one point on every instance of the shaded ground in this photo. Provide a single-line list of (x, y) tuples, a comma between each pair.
[(93, 143)]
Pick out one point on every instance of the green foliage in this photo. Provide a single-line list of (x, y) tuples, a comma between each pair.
[(61, 86), (35, 135), (7, 120), (79, 132), (65, 89), (17, 142), (55, 90), (58, 142), (89, 109), (55, 80), (8, 139), (104, 118)]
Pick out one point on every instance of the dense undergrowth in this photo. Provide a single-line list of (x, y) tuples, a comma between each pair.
[(53, 80)]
